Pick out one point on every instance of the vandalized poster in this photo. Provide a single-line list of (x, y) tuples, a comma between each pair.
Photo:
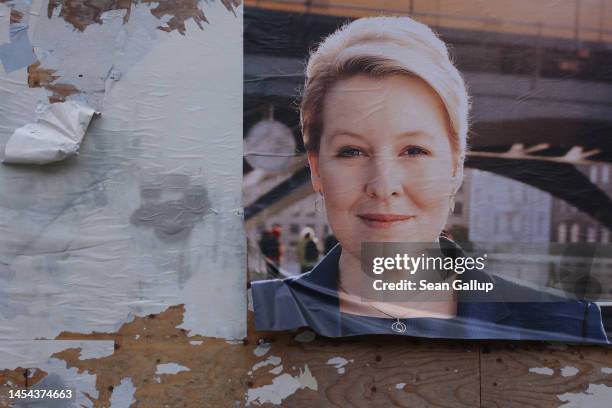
[(179, 178), (431, 169)]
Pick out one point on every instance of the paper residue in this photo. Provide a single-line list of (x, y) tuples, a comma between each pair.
[(569, 371), (123, 394), (170, 368), (276, 370), (542, 370), (339, 363), (262, 349), (596, 396), (5, 21), (272, 360), (282, 387)]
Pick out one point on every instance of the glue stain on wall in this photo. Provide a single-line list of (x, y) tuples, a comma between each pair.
[(172, 206), (171, 219)]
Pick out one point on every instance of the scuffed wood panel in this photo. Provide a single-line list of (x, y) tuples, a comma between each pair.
[(300, 369), (11, 380), (274, 369), (539, 375), (370, 371)]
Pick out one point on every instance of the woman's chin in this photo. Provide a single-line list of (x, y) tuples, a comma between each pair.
[(392, 235)]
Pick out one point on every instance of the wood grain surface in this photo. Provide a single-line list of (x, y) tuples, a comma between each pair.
[(534, 375)]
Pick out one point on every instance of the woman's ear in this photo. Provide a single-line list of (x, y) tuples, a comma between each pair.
[(315, 176)]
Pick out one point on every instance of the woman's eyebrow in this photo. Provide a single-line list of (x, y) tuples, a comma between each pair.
[(342, 132), (414, 133), (406, 134)]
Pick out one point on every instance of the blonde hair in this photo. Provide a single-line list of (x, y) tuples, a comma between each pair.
[(381, 46)]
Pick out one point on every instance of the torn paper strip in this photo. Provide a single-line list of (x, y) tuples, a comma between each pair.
[(57, 134)]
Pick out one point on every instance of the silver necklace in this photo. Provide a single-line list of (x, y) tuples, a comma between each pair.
[(397, 326)]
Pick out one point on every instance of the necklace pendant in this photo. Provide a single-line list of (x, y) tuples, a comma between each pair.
[(398, 327)]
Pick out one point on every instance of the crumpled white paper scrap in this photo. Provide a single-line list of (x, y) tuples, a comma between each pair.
[(57, 134)]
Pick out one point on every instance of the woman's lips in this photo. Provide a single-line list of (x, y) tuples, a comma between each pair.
[(375, 220)]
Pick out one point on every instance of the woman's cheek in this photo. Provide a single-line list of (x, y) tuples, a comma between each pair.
[(434, 183), (340, 183)]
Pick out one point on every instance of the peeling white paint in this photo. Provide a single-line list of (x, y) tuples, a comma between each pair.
[(91, 349), (276, 370), (339, 363), (37, 354), (542, 370), (250, 300), (306, 336), (170, 368), (262, 349), (282, 387), (596, 396), (606, 370), (272, 360), (569, 371), (400, 386), (123, 394), (30, 353)]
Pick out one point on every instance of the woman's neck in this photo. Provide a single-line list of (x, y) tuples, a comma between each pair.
[(349, 276)]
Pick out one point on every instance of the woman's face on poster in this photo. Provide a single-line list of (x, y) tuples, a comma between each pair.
[(385, 165)]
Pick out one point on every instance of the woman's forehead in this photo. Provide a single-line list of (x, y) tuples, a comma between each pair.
[(398, 105)]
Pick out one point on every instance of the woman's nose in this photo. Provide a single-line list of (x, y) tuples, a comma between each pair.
[(382, 180)]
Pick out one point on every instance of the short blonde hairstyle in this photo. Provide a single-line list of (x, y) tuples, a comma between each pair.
[(381, 46)]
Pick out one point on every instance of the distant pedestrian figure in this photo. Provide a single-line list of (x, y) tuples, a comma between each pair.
[(271, 248), (329, 243), (308, 250)]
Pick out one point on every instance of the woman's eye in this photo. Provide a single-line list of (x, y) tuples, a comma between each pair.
[(349, 152), (415, 151)]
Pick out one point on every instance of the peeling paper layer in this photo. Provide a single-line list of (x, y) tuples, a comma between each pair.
[(17, 53), (38, 355), (123, 394), (77, 253), (35, 353), (57, 134), (5, 19)]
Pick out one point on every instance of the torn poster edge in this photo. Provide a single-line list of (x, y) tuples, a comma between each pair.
[(56, 135)]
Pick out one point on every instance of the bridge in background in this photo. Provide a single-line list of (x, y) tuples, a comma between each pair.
[(541, 104)]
